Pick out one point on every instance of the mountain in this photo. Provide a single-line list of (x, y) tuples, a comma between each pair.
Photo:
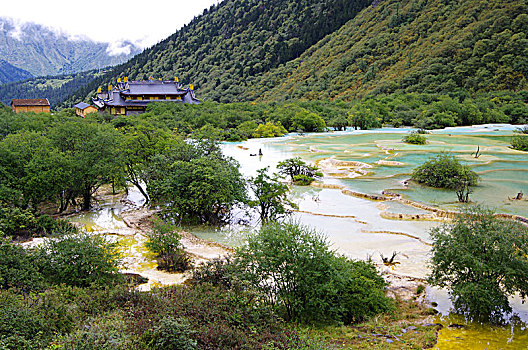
[(330, 49), (433, 46), (10, 73), (55, 88), (42, 52), (222, 50)]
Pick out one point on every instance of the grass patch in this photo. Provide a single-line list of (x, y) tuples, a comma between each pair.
[(402, 329)]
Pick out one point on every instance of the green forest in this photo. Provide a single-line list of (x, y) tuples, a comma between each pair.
[(410, 46), (283, 51), (55, 88), (229, 43)]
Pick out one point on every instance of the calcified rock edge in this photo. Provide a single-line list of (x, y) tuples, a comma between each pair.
[(436, 214), (200, 250)]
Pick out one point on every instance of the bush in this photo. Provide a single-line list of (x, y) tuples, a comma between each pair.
[(520, 142), (302, 180), (271, 196), (164, 241), (415, 138), (17, 268), (16, 222), (79, 260), (445, 171), (295, 166), (222, 273), (481, 260), (307, 282), (171, 334), (270, 129)]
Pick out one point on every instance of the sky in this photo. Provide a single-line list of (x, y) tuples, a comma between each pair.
[(143, 22)]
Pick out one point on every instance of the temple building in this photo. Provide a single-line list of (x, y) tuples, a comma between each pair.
[(132, 97)]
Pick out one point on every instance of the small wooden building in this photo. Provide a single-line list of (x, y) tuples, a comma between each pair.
[(82, 109), (35, 105)]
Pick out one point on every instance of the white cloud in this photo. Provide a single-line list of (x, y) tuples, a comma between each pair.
[(118, 48), (138, 21)]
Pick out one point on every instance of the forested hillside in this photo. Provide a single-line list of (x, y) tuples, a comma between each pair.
[(9, 73), (411, 45), (56, 89), (222, 49), (248, 50)]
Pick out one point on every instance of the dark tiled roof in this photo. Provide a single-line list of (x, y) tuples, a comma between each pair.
[(82, 105), (30, 102), (153, 88)]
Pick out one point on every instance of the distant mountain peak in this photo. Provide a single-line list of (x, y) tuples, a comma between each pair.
[(43, 51)]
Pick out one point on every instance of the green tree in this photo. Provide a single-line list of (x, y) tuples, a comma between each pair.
[(338, 123), (271, 196), (366, 115), (445, 171), (202, 188), (139, 143), (415, 138), (305, 281), (92, 153), (481, 260), (307, 121), (269, 129), (298, 170)]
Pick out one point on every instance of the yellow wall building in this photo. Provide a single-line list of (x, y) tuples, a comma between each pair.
[(83, 109), (35, 105)]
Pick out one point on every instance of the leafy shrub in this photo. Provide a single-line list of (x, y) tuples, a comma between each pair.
[(415, 138), (217, 318), (307, 282), (269, 129), (271, 196), (223, 273), (17, 268), (171, 334), (79, 260), (445, 171), (17, 222), (481, 260), (302, 180), (296, 166), (107, 332), (520, 142), (164, 241)]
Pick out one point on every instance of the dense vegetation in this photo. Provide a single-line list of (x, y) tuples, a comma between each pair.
[(10, 73), (221, 50), (437, 46), (239, 121), (67, 295), (298, 274), (55, 88), (445, 171), (415, 138), (482, 261), (245, 51)]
